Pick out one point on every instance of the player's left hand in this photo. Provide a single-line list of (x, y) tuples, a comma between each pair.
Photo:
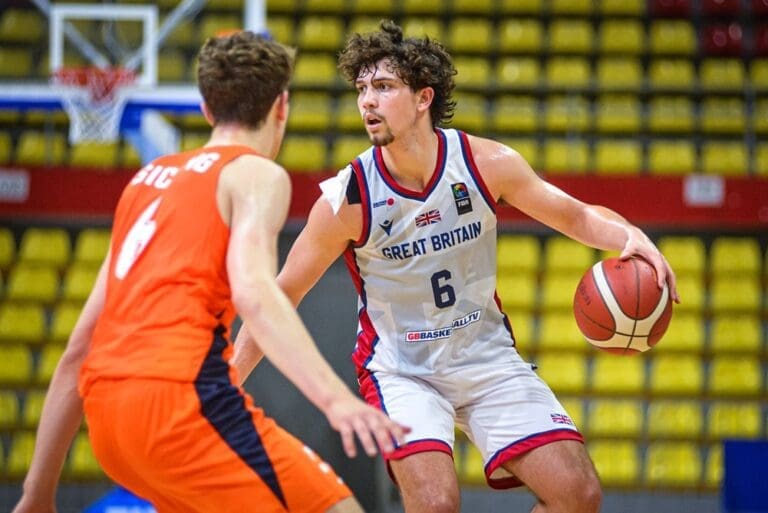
[(639, 244)]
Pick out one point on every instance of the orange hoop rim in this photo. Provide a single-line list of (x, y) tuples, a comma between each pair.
[(102, 82)]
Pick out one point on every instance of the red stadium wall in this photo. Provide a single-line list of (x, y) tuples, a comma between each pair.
[(689, 202)]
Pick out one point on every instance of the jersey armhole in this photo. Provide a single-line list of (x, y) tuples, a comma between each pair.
[(362, 199)]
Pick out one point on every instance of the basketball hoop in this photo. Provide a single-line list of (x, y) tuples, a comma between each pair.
[(93, 101)]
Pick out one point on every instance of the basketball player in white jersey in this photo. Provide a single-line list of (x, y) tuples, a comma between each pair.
[(415, 217)]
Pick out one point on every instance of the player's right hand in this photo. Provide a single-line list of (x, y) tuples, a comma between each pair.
[(376, 431)]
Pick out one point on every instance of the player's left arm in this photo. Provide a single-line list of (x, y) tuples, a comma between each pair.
[(511, 179), (63, 409)]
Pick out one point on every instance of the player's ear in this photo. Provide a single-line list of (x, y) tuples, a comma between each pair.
[(207, 113), (425, 97), (281, 104)]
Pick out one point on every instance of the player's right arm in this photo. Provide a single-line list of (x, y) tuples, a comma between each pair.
[(63, 409), (256, 195), (321, 242)]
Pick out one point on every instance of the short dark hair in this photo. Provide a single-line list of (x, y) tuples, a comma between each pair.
[(240, 75), (418, 62)]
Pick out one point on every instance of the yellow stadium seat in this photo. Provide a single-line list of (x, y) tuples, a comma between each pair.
[(33, 408), (183, 35), (676, 374), (676, 37), (9, 409), (758, 74), (6, 146), (348, 116), (15, 63), (315, 70), (281, 29), (22, 26), (369, 7), (515, 114), (522, 328), (517, 291), (520, 35), (759, 116), (619, 73), (567, 114), (568, 72), (736, 333), (213, 24), (735, 376), (193, 121), (563, 371), (20, 454), (40, 149), (325, 6), (692, 294), (723, 115), (49, 358), (518, 254), (520, 6), (570, 36), (564, 7), (421, 6), (527, 147), (675, 419), (761, 161), (617, 461), (474, 467), (78, 282), (565, 156), (558, 330), (29, 282), (7, 247), (92, 245), (672, 157), (574, 406), (94, 155), (565, 255), (623, 36), (714, 466), (470, 35), (306, 154), (319, 33), (721, 74), (15, 365), (310, 112), (473, 72), (82, 463), (172, 66), (685, 333), (415, 26), (672, 464), (363, 24), (471, 113), (622, 7), (676, 74), (518, 72), (618, 375), (346, 148), (671, 114), (485, 7), (63, 320), (734, 420), (47, 246), (686, 254), (615, 418), (734, 294), (191, 140), (618, 157), (557, 291), (22, 322), (735, 256), (618, 114)]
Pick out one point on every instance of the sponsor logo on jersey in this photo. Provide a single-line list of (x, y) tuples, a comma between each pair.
[(430, 217), (386, 225), (436, 334), (388, 202), (461, 198)]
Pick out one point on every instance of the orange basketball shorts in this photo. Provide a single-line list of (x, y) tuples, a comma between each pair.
[(203, 447)]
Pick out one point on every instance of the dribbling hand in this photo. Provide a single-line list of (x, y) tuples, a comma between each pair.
[(376, 431)]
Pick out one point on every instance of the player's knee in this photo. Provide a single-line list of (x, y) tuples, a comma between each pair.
[(438, 503), (585, 495)]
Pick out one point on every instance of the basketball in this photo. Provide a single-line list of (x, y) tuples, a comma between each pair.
[(619, 308)]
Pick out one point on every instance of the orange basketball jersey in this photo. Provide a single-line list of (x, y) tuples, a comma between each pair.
[(168, 292)]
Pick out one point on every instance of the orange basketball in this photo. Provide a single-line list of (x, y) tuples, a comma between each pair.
[(619, 307)]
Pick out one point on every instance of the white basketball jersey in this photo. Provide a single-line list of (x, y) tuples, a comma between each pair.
[(425, 267)]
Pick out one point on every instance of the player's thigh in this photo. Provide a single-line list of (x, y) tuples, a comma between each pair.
[(426, 477), (557, 469)]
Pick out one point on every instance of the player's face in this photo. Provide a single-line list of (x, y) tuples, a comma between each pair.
[(386, 103)]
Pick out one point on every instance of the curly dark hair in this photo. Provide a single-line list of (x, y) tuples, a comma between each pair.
[(418, 62), (241, 74)]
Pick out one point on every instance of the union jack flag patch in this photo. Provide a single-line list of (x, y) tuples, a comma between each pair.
[(431, 217), (559, 418)]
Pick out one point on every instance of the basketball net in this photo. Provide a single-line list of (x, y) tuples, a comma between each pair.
[(91, 97)]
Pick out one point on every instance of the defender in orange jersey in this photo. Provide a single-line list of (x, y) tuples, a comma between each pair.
[(194, 241)]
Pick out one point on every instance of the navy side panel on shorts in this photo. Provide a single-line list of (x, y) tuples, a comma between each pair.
[(224, 407)]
